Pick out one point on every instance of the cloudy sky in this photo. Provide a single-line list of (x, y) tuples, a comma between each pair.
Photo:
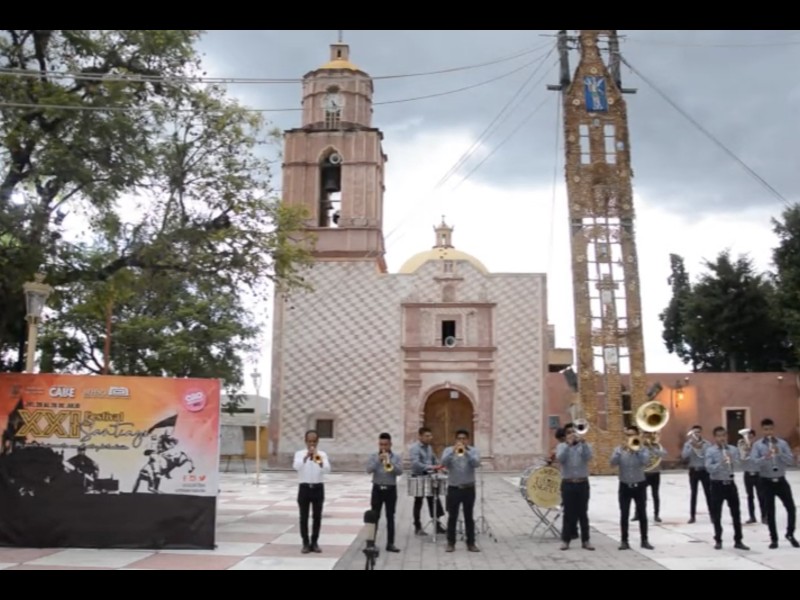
[(498, 174)]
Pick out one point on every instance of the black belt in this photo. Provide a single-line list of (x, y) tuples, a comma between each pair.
[(753, 473), (722, 481), (312, 485), (579, 480), (383, 488), (633, 485), (697, 468), (774, 479), (466, 486)]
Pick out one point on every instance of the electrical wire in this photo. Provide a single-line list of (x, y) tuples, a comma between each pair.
[(259, 110), (556, 163), (707, 133), (137, 78), (709, 45)]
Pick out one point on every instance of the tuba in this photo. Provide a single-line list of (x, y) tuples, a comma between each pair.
[(651, 417)]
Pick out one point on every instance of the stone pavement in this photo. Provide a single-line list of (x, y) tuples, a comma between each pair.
[(257, 529)]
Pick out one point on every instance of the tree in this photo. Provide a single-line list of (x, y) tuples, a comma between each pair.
[(111, 130), (726, 321), (786, 259), (673, 316)]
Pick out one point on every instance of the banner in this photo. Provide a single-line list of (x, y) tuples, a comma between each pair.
[(107, 461)]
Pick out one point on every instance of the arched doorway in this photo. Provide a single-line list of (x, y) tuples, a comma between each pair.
[(447, 411)]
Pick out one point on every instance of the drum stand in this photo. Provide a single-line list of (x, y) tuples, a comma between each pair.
[(435, 520), (482, 526)]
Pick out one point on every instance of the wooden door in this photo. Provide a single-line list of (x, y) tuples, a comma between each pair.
[(445, 415)]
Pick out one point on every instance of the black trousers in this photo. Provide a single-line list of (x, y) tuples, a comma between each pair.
[(385, 495), (752, 483), (418, 510), (698, 476), (725, 491), (636, 492), (654, 483), (458, 497), (575, 497), (310, 496), (778, 488)]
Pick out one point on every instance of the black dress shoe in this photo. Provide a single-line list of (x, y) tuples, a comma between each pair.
[(646, 545), (657, 519), (306, 549), (624, 546), (315, 548), (793, 541), (718, 546), (750, 521), (741, 546), (392, 548), (773, 545), (692, 520)]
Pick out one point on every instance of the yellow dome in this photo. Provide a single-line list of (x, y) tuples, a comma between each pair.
[(339, 63), (418, 260)]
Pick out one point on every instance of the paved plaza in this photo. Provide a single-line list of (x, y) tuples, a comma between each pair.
[(258, 530)]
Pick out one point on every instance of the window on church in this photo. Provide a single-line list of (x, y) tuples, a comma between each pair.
[(583, 141), (448, 331), (324, 428), (333, 119), (448, 266), (610, 140), (627, 411)]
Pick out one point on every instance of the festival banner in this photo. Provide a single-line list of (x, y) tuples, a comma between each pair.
[(107, 461)]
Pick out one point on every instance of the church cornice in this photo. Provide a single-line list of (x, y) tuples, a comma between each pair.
[(345, 128), (449, 304)]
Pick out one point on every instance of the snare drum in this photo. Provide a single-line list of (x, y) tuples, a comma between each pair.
[(420, 486)]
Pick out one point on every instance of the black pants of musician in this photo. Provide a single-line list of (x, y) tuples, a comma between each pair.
[(385, 495), (418, 510), (458, 497), (778, 488), (575, 496), (752, 484), (636, 492), (725, 491), (310, 498), (698, 476), (653, 481)]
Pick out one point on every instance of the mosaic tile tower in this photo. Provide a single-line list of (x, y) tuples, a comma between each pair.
[(608, 322), (443, 342)]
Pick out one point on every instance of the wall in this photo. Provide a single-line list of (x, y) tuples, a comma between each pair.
[(705, 396)]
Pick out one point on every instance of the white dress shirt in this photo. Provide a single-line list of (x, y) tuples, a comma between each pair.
[(308, 470)]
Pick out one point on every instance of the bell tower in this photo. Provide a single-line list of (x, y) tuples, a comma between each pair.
[(334, 163)]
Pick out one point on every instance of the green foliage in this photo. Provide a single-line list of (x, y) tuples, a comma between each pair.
[(727, 320), (167, 180), (786, 259)]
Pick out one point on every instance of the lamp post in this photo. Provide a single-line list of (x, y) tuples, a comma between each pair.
[(257, 383), (36, 294)]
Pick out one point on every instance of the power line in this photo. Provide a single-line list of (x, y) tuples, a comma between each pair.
[(677, 44), (137, 78), (708, 134), (259, 110), (556, 163)]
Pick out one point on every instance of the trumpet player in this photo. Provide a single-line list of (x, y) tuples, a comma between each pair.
[(694, 452), (312, 465), (385, 467), (721, 460), (461, 460), (752, 481), (632, 457), (772, 455), (574, 455)]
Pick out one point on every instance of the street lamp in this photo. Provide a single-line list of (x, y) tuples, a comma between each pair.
[(257, 383), (36, 294)]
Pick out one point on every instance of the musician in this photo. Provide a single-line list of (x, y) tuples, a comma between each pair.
[(653, 476), (553, 462), (752, 481), (385, 467), (312, 465), (632, 485), (694, 452), (574, 455), (721, 460), (772, 454), (461, 460), (423, 463)]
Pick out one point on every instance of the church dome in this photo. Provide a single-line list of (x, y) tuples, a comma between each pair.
[(443, 250), (340, 59)]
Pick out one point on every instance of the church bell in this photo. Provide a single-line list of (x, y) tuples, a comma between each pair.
[(331, 180)]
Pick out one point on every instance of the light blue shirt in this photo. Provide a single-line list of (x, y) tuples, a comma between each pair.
[(574, 459), (461, 469), (379, 475), (772, 467), (691, 454), (422, 458), (631, 464), (716, 462)]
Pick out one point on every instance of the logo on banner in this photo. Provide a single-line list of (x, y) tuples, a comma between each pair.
[(195, 400)]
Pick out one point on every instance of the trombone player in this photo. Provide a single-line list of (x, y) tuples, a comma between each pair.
[(631, 458), (694, 452), (752, 483), (773, 454), (385, 467), (721, 460)]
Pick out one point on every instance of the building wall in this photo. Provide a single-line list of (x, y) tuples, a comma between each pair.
[(705, 397)]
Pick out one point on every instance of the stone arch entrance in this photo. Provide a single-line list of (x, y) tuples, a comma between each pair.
[(447, 411)]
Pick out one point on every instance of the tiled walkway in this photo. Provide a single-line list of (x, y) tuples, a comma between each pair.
[(258, 530)]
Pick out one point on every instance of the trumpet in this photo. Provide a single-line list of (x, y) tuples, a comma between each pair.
[(388, 467), (317, 459), (634, 443), (773, 450), (460, 451)]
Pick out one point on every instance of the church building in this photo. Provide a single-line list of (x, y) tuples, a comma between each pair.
[(442, 343)]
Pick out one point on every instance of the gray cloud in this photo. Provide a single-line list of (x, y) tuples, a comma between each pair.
[(733, 83)]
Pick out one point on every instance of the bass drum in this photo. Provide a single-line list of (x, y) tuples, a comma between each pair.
[(540, 485)]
